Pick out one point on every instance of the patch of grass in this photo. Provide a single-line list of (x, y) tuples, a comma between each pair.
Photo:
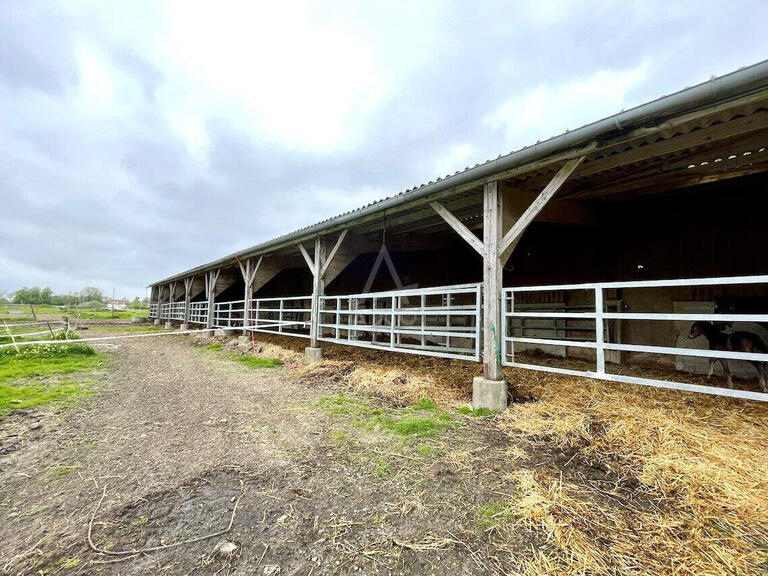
[(247, 359), (91, 314), (339, 436), (420, 426), (70, 563), (493, 514), (341, 404), (19, 397), (46, 360), (478, 413), (128, 328), (139, 522), (426, 404), (423, 419), (257, 361), (425, 449), (64, 470), (382, 467)]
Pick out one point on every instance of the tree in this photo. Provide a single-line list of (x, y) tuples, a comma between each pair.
[(33, 295), (90, 294)]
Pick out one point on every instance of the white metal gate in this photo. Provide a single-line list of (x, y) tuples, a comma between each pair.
[(288, 316), (198, 312), (443, 321), (598, 316)]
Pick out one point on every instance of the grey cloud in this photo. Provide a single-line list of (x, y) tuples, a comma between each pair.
[(35, 47)]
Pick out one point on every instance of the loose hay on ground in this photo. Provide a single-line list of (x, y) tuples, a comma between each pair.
[(401, 379)]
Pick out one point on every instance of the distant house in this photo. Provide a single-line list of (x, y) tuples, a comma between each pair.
[(120, 304)]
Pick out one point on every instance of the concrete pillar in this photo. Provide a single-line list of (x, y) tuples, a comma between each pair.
[(490, 391)]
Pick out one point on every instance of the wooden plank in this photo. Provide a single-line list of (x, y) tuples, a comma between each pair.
[(459, 227), (537, 205), (307, 259), (335, 249)]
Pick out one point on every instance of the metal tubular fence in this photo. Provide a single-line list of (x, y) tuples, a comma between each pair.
[(176, 311), (443, 321), (153, 311), (198, 312), (289, 316), (228, 314), (598, 318)]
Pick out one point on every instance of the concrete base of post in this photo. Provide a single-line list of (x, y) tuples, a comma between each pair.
[(489, 394), (244, 339), (224, 332), (168, 325), (184, 327), (156, 322), (312, 355)]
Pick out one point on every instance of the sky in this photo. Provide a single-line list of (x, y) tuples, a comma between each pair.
[(139, 139)]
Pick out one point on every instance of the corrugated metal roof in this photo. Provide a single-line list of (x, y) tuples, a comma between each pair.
[(734, 85)]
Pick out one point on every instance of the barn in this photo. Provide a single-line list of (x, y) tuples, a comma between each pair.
[(630, 247)]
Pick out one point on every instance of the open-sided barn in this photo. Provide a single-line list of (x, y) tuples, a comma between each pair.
[(585, 254)]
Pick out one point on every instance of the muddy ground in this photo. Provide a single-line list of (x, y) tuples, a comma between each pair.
[(175, 436)]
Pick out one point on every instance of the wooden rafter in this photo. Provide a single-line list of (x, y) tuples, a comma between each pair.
[(459, 227), (335, 249), (538, 204)]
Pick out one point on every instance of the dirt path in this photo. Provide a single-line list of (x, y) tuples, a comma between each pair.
[(177, 433)]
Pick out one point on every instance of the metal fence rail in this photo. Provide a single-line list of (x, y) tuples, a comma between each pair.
[(598, 316), (153, 311), (443, 321), (165, 311), (176, 311), (228, 314), (198, 312), (289, 316)]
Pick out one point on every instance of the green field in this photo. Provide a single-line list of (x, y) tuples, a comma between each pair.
[(22, 313), (44, 373)]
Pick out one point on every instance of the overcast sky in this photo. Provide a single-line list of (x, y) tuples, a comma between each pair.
[(140, 139)]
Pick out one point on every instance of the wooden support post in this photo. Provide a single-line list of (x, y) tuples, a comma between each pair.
[(492, 279), (318, 290), (187, 297), (171, 290), (318, 266), (210, 291), (249, 274), (159, 301)]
